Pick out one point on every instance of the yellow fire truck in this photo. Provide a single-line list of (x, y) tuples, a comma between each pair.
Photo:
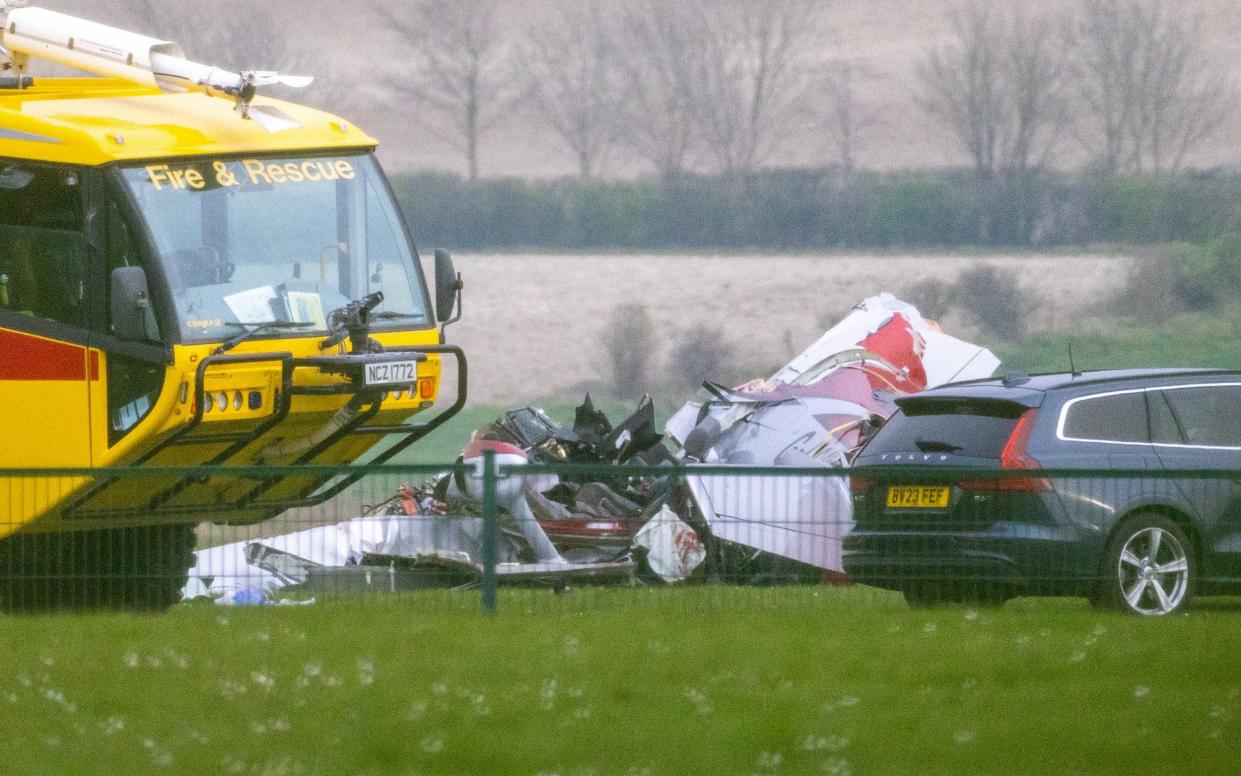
[(191, 274)]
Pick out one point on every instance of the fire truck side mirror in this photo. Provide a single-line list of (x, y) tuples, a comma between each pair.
[(131, 303), (448, 287)]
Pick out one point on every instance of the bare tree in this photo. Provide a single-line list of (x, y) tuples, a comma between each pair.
[(459, 77), (1037, 85), (1149, 91), (963, 89), (997, 89), (750, 71), (842, 113), (659, 38), (574, 76)]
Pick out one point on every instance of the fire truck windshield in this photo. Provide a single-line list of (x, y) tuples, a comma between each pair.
[(250, 241)]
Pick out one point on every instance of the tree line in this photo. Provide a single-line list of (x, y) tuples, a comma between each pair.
[(724, 86)]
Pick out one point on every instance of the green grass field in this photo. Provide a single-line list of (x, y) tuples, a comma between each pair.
[(1189, 340), (634, 681)]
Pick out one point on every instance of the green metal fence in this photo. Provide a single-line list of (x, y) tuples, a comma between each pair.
[(147, 538)]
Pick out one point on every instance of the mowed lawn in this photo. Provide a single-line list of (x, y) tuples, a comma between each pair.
[(636, 681)]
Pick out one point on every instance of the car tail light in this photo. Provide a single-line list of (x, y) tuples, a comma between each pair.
[(1015, 456), (860, 484)]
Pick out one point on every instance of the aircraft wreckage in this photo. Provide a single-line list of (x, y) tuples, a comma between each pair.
[(669, 525)]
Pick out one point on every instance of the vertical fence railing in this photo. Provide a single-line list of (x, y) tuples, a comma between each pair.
[(491, 532)]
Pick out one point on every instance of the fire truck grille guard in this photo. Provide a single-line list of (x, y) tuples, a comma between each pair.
[(369, 401)]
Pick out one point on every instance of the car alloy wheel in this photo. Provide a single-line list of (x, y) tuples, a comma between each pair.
[(1150, 567)]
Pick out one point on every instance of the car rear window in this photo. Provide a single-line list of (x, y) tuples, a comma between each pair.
[(971, 429)]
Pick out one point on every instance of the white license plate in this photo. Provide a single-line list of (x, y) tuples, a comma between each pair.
[(392, 373)]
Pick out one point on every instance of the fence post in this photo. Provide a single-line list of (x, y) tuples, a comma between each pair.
[(491, 531)]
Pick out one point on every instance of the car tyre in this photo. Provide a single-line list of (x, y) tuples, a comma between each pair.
[(1149, 567)]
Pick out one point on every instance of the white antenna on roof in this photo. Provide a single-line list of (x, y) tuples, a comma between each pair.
[(108, 51)]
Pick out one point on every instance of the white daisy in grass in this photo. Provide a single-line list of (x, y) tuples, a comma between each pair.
[(263, 679), (432, 744), (416, 710), (547, 694), (837, 766), (366, 672), (770, 761)]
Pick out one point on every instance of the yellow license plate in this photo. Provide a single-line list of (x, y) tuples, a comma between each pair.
[(917, 496)]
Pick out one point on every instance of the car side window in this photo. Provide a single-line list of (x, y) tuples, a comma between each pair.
[(43, 255), (1117, 418), (1208, 415), (1164, 430)]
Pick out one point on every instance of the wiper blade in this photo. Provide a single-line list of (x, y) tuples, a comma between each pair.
[(268, 324), (253, 329), (392, 316), (935, 446)]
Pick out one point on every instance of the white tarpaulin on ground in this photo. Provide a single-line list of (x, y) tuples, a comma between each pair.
[(226, 569), (812, 413)]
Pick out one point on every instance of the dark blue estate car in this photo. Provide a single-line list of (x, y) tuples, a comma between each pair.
[(958, 497)]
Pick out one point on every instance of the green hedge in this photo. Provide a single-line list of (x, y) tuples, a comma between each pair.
[(816, 209)]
